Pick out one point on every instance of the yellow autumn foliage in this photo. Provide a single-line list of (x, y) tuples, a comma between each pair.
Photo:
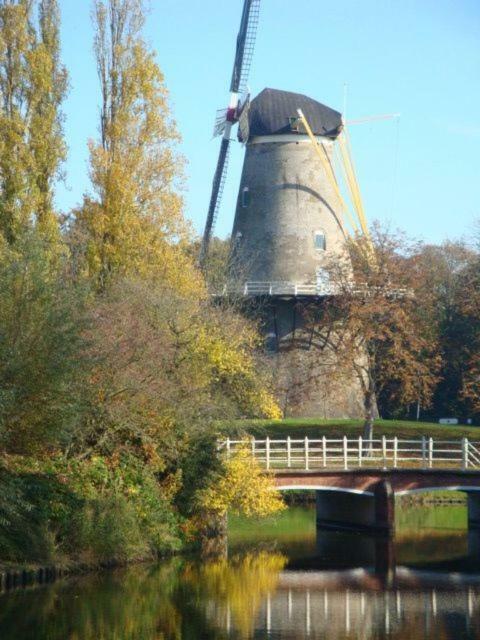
[(33, 85), (132, 225), (240, 583), (242, 487), (230, 357)]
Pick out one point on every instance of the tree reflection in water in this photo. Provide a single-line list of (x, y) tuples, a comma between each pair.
[(334, 590)]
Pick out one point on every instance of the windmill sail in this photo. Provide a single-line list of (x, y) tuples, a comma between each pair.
[(245, 45), (241, 67)]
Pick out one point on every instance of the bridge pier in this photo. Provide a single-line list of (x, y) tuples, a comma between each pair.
[(473, 506), (372, 511), (352, 550)]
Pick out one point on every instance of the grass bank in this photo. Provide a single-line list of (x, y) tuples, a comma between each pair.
[(317, 427)]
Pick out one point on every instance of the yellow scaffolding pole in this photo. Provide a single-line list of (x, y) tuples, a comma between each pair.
[(323, 156), (340, 160), (350, 181), (348, 161)]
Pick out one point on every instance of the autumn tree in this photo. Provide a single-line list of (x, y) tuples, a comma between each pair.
[(468, 310), (49, 84), (444, 296), (135, 241), (371, 324), (132, 224), (240, 486), (33, 84), (165, 373)]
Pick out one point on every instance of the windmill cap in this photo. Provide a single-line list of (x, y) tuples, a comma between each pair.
[(273, 111)]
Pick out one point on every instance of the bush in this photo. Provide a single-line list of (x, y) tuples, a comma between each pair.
[(35, 510), (124, 515), (90, 512), (43, 367)]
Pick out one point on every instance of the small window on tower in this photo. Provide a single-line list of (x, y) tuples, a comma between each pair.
[(245, 197), (294, 123), (320, 241)]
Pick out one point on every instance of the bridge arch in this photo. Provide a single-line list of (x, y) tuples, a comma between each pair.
[(321, 487), (431, 489), (364, 498)]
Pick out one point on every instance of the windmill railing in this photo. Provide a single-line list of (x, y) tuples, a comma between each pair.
[(309, 454), (278, 288), (285, 288)]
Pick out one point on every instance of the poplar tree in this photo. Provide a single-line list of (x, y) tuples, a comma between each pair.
[(33, 84), (133, 221), (168, 361), (48, 88)]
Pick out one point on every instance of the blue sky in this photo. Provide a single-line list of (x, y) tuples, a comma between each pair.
[(420, 58)]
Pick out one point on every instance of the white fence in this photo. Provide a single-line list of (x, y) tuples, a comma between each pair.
[(353, 453)]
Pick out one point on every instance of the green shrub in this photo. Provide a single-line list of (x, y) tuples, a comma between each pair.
[(92, 511), (124, 513), (34, 512)]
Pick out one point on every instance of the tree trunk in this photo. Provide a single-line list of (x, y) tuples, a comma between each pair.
[(369, 421), (213, 537)]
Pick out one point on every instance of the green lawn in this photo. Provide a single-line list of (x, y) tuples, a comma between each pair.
[(317, 427)]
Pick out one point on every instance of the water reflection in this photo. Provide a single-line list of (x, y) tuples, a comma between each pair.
[(282, 581), (316, 612)]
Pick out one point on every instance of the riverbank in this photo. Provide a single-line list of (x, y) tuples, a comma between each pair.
[(14, 575)]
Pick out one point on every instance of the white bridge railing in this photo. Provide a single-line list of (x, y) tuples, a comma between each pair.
[(353, 453)]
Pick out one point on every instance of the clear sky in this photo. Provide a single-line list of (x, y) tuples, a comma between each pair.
[(420, 58)]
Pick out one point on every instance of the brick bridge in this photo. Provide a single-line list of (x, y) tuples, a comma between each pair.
[(356, 481), (365, 498)]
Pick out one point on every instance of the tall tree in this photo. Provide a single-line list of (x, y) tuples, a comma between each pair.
[(16, 204), (134, 221), (446, 291), (48, 87), (372, 325), (33, 84), (468, 310)]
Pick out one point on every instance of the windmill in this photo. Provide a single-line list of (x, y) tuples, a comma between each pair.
[(289, 224), (228, 117), (291, 220)]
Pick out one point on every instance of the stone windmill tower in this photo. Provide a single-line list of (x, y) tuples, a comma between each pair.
[(288, 225), (288, 220)]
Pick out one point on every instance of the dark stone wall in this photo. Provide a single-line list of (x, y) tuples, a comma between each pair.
[(308, 381)]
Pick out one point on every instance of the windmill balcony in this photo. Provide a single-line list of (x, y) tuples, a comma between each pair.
[(319, 289), (278, 288)]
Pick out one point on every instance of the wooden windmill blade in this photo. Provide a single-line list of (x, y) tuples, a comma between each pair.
[(241, 67)]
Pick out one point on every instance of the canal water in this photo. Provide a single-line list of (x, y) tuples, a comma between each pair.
[(281, 580)]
